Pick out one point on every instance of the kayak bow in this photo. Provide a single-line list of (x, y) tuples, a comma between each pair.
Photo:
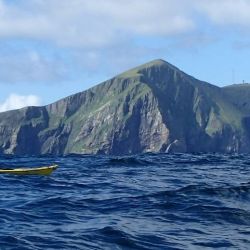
[(47, 170)]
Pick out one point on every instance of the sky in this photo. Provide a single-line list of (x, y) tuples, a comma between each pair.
[(50, 49)]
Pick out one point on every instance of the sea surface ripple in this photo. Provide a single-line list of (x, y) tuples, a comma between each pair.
[(147, 201)]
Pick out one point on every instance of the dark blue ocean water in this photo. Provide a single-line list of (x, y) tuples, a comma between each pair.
[(151, 201)]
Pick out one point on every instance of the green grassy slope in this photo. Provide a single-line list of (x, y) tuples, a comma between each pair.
[(239, 95)]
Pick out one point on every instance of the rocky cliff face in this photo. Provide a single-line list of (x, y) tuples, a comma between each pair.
[(152, 108)]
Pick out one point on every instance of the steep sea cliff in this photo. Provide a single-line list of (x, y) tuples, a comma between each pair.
[(145, 109)]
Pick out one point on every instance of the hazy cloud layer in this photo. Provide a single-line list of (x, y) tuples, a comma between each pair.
[(113, 34), (227, 12), (30, 66), (96, 23), (15, 101), (93, 23)]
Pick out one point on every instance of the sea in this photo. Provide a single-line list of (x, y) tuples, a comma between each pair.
[(145, 201)]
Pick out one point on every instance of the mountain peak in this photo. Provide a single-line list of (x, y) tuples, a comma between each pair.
[(157, 63), (151, 108)]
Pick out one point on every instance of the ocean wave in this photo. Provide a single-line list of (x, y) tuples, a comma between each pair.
[(130, 161), (147, 201)]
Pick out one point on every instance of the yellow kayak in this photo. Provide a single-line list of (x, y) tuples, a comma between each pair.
[(47, 170)]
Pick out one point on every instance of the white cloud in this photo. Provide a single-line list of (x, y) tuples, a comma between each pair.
[(15, 101), (93, 23), (226, 12), (30, 65), (100, 23), (93, 35)]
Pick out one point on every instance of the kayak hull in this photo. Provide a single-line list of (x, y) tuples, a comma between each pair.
[(47, 170)]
